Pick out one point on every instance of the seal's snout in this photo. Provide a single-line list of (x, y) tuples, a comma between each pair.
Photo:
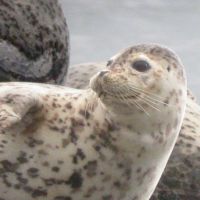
[(98, 80)]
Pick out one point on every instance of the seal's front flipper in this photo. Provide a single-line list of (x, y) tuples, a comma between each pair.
[(17, 106)]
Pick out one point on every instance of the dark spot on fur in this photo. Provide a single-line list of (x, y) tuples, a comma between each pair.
[(91, 168), (85, 114), (32, 142), (62, 198), (39, 193), (68, 105), (73, 136), (55, 169), (117, 184), (79, 154), (107, 197), (22, 158), (22, 181), (32, 172), (75, 180), (8, 166)]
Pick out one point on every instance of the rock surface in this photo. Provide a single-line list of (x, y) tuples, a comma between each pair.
[(33, 41)]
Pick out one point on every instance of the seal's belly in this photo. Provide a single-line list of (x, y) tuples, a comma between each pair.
[(57, 165), (72, 156)]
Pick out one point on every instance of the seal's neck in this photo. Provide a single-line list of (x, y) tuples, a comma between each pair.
[(135, 119)]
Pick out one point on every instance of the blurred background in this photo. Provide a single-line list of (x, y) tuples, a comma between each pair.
[(99, 29)]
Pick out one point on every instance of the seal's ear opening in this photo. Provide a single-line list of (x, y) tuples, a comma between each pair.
[(18, 108)]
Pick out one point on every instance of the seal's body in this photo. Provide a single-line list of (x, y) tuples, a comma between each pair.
[(181, 177), (105, 143)]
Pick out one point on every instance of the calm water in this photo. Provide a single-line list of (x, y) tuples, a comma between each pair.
[(99, 29)]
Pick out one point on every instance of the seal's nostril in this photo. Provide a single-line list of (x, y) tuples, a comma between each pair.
[(102, 73)]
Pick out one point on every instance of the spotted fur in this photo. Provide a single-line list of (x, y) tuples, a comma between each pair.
[(181, 178), (53, 147), (33, 41)]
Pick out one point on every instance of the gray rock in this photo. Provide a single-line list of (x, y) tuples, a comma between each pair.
[(33, 41)]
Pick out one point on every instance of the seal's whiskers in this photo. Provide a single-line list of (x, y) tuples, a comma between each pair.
[(153, 97), (143, 91), (158, 101), (147, 101), (129, 102), (142, 108)]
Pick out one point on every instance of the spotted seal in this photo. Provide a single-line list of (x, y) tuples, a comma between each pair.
[(181, 178), (33, 41), (105, 143)]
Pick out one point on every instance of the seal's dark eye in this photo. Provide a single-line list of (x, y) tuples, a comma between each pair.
[(141, 65)]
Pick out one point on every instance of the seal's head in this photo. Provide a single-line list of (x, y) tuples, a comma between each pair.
[(143, 79)]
